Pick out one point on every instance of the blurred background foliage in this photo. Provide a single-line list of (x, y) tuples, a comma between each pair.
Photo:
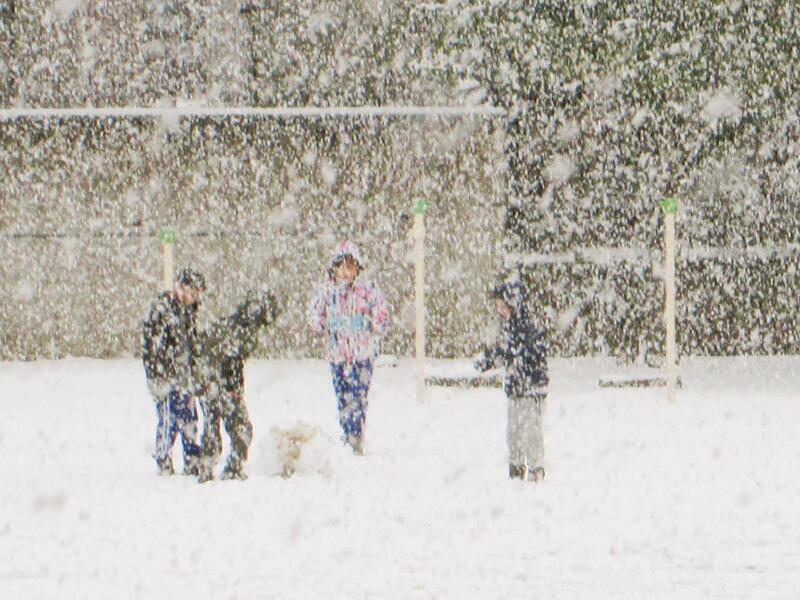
[(611, 106)]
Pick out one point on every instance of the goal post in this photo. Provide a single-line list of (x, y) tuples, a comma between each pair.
[(670, 208), (288, 112), (458, 121), (420, 208), (168, 238), (669, 376)]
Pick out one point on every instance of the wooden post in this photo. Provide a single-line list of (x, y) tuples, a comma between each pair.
[(419, 294), (670, 208), (168, 239)]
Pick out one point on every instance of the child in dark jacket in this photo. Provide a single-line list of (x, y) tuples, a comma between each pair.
[(226, 347), (522, 351), (169, 349)]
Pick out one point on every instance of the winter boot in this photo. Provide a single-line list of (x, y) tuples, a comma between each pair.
[(233, 469), (516, 471), (191, 466), (204, 474), (356, 443), (165, 467), (537, 474), (228, 474)]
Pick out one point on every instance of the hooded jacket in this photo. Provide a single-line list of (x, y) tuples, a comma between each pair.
[(521, 349), (230, 341), (169, 340), (353, 316)]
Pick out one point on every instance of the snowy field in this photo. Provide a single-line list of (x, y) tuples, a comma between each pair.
[(642, 499)]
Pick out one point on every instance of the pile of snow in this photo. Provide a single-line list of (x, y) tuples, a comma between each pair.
[(301, 448)]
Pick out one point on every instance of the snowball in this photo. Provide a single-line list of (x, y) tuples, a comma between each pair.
[(283, 217), (723, 104), (25, 292), (329, 173), (560, 169), (641, 116), (569, 131), (65, 8)]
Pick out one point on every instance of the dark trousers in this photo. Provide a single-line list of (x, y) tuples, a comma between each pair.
[(177, 413), (229, 408)]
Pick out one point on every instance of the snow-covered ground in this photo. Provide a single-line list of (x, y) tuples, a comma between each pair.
[(642, 499)]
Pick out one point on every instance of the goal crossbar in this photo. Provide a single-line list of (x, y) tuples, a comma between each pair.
[(9, 114)]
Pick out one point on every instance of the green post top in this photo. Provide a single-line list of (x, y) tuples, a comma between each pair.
[(167, 235), (669, 205), (422, 206)]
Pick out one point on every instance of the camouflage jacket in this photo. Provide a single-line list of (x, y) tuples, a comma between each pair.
[(169, 339), (230, 341)]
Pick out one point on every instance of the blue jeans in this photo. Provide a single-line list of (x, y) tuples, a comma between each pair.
[(351, 384), (176, 413)]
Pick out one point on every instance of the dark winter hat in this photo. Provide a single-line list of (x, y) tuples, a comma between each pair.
[(512, 293), (192, 278), (501, 291)]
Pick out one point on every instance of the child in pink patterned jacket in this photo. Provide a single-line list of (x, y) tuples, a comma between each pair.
[(353, 315)]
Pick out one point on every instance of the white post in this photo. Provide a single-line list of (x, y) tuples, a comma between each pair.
[(168, 239), (670, 209), (167, 266), (419, 295)]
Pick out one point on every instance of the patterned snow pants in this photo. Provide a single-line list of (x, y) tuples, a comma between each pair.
[(351, 384), (525, 431), (177, 413)]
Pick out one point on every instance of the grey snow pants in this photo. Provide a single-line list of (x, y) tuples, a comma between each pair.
[(524, 433)]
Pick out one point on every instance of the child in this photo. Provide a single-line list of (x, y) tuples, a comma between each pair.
[(353, 315), (521, 350), (169, 342), (227, 345)]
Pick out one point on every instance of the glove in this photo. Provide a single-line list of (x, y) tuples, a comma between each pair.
[(481, 364)]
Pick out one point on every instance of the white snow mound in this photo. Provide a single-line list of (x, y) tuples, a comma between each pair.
[(301, 449)]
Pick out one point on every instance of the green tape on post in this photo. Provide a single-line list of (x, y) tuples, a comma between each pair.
[(669, 205), (168, 236), (168, 239), (421, 207)]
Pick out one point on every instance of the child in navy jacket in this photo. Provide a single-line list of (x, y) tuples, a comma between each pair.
[(521, 350)]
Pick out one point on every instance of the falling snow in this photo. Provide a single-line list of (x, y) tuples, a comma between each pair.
[(607, 109), (545, 134)]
